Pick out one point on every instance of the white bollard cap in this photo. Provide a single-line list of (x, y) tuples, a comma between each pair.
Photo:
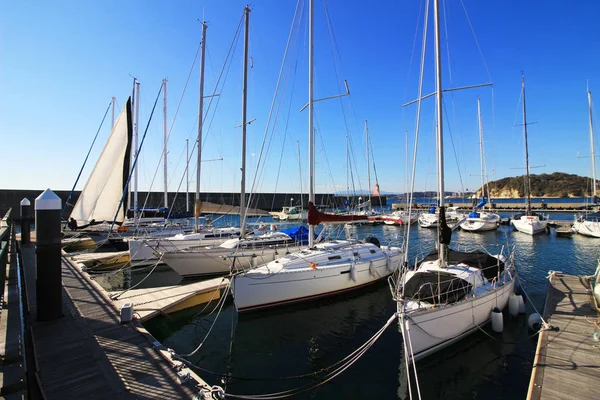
[(48, 201), (25, 202)]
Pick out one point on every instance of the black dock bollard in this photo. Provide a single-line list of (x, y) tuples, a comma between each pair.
[(25, 221), (48, 207)]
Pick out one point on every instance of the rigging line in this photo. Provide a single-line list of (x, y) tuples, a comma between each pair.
[(462, 186), (273, 101), (259, 175), (476, 41), (86, 158), (417, 125), (125, 192), (335, 49)]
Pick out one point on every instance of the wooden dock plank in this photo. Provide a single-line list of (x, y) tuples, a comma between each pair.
[(89, 354), (567, 363)]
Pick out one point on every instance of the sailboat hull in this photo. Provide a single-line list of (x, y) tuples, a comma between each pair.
[(480, 224), (530, 225), (587, 228), (432, 330), (257, 290), (215, 261)]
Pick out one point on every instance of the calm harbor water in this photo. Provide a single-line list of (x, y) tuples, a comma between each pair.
[(259, 350)]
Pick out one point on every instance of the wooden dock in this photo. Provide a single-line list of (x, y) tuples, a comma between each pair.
[(567, 360), (150, 302), (88, 353)]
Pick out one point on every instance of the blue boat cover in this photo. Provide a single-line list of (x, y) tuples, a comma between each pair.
[(474, 214), (482, 203), (299, 234), (432, 210)]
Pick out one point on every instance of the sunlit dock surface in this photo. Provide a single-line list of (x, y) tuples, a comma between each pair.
[(567, 360)]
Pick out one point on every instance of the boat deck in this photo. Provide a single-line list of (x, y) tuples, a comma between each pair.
[(88, 353), (567, 360)]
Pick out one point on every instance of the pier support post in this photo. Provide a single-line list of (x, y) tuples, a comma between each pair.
[(25, 221), (48, 208)]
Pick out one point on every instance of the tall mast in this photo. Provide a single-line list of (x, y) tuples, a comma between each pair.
[(165, 141), (347, 171), (481, 147), (136, 155), (368, 162), (244, 107), (187, 176), (592, 147), (406, 172), (300, 170), (113, 104), (528, 184), (311, 136), (440, 134), (197, 208)]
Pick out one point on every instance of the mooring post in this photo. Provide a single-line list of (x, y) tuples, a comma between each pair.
[(25, 221), (48, 208)]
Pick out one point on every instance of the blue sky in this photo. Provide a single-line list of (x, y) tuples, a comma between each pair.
[(64, 60)]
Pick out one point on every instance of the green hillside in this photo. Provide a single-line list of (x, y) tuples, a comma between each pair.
[(557, 184)]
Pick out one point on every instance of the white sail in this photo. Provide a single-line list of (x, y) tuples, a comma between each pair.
[(100, 198)]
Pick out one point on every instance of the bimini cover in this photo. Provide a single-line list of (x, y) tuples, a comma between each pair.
[(474, 214), (424, 286), (299, 234), (490, 266)]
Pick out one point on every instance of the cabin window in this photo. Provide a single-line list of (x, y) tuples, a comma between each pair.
[(335, 258), (372, 251), (356, 254)]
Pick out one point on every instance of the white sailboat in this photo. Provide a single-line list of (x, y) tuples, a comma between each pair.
[(480, 221), (100, 199), (589, 225), (528, 222), (320, 270), (449, 294)]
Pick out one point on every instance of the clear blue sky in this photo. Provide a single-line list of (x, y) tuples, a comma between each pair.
[(62, 62)]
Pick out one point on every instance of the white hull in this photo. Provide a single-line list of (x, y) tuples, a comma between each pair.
[(530, 225), (214, 261), (428, 220), (431, 330), (147, 249), (484, 223), (280, 282), (587, 228)]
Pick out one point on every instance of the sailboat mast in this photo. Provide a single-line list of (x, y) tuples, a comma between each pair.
[(244, 123), (300, 171), (592, 147), (187, 176), (135, 171), (438, 96), (113, 104), (406, 171), (311, 137), (368, 163), (481, 147), (197, 210), (528, 185), (347, 171), (165, 141)]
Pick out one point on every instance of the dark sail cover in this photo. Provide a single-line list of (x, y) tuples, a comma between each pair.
[(444, 231), (490, 266), (424, 286), (315, 217)]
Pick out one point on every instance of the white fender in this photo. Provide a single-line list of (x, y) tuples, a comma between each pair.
[(372, 270), (353, 272)]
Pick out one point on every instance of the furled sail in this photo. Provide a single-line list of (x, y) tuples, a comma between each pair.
[(99, 200)]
